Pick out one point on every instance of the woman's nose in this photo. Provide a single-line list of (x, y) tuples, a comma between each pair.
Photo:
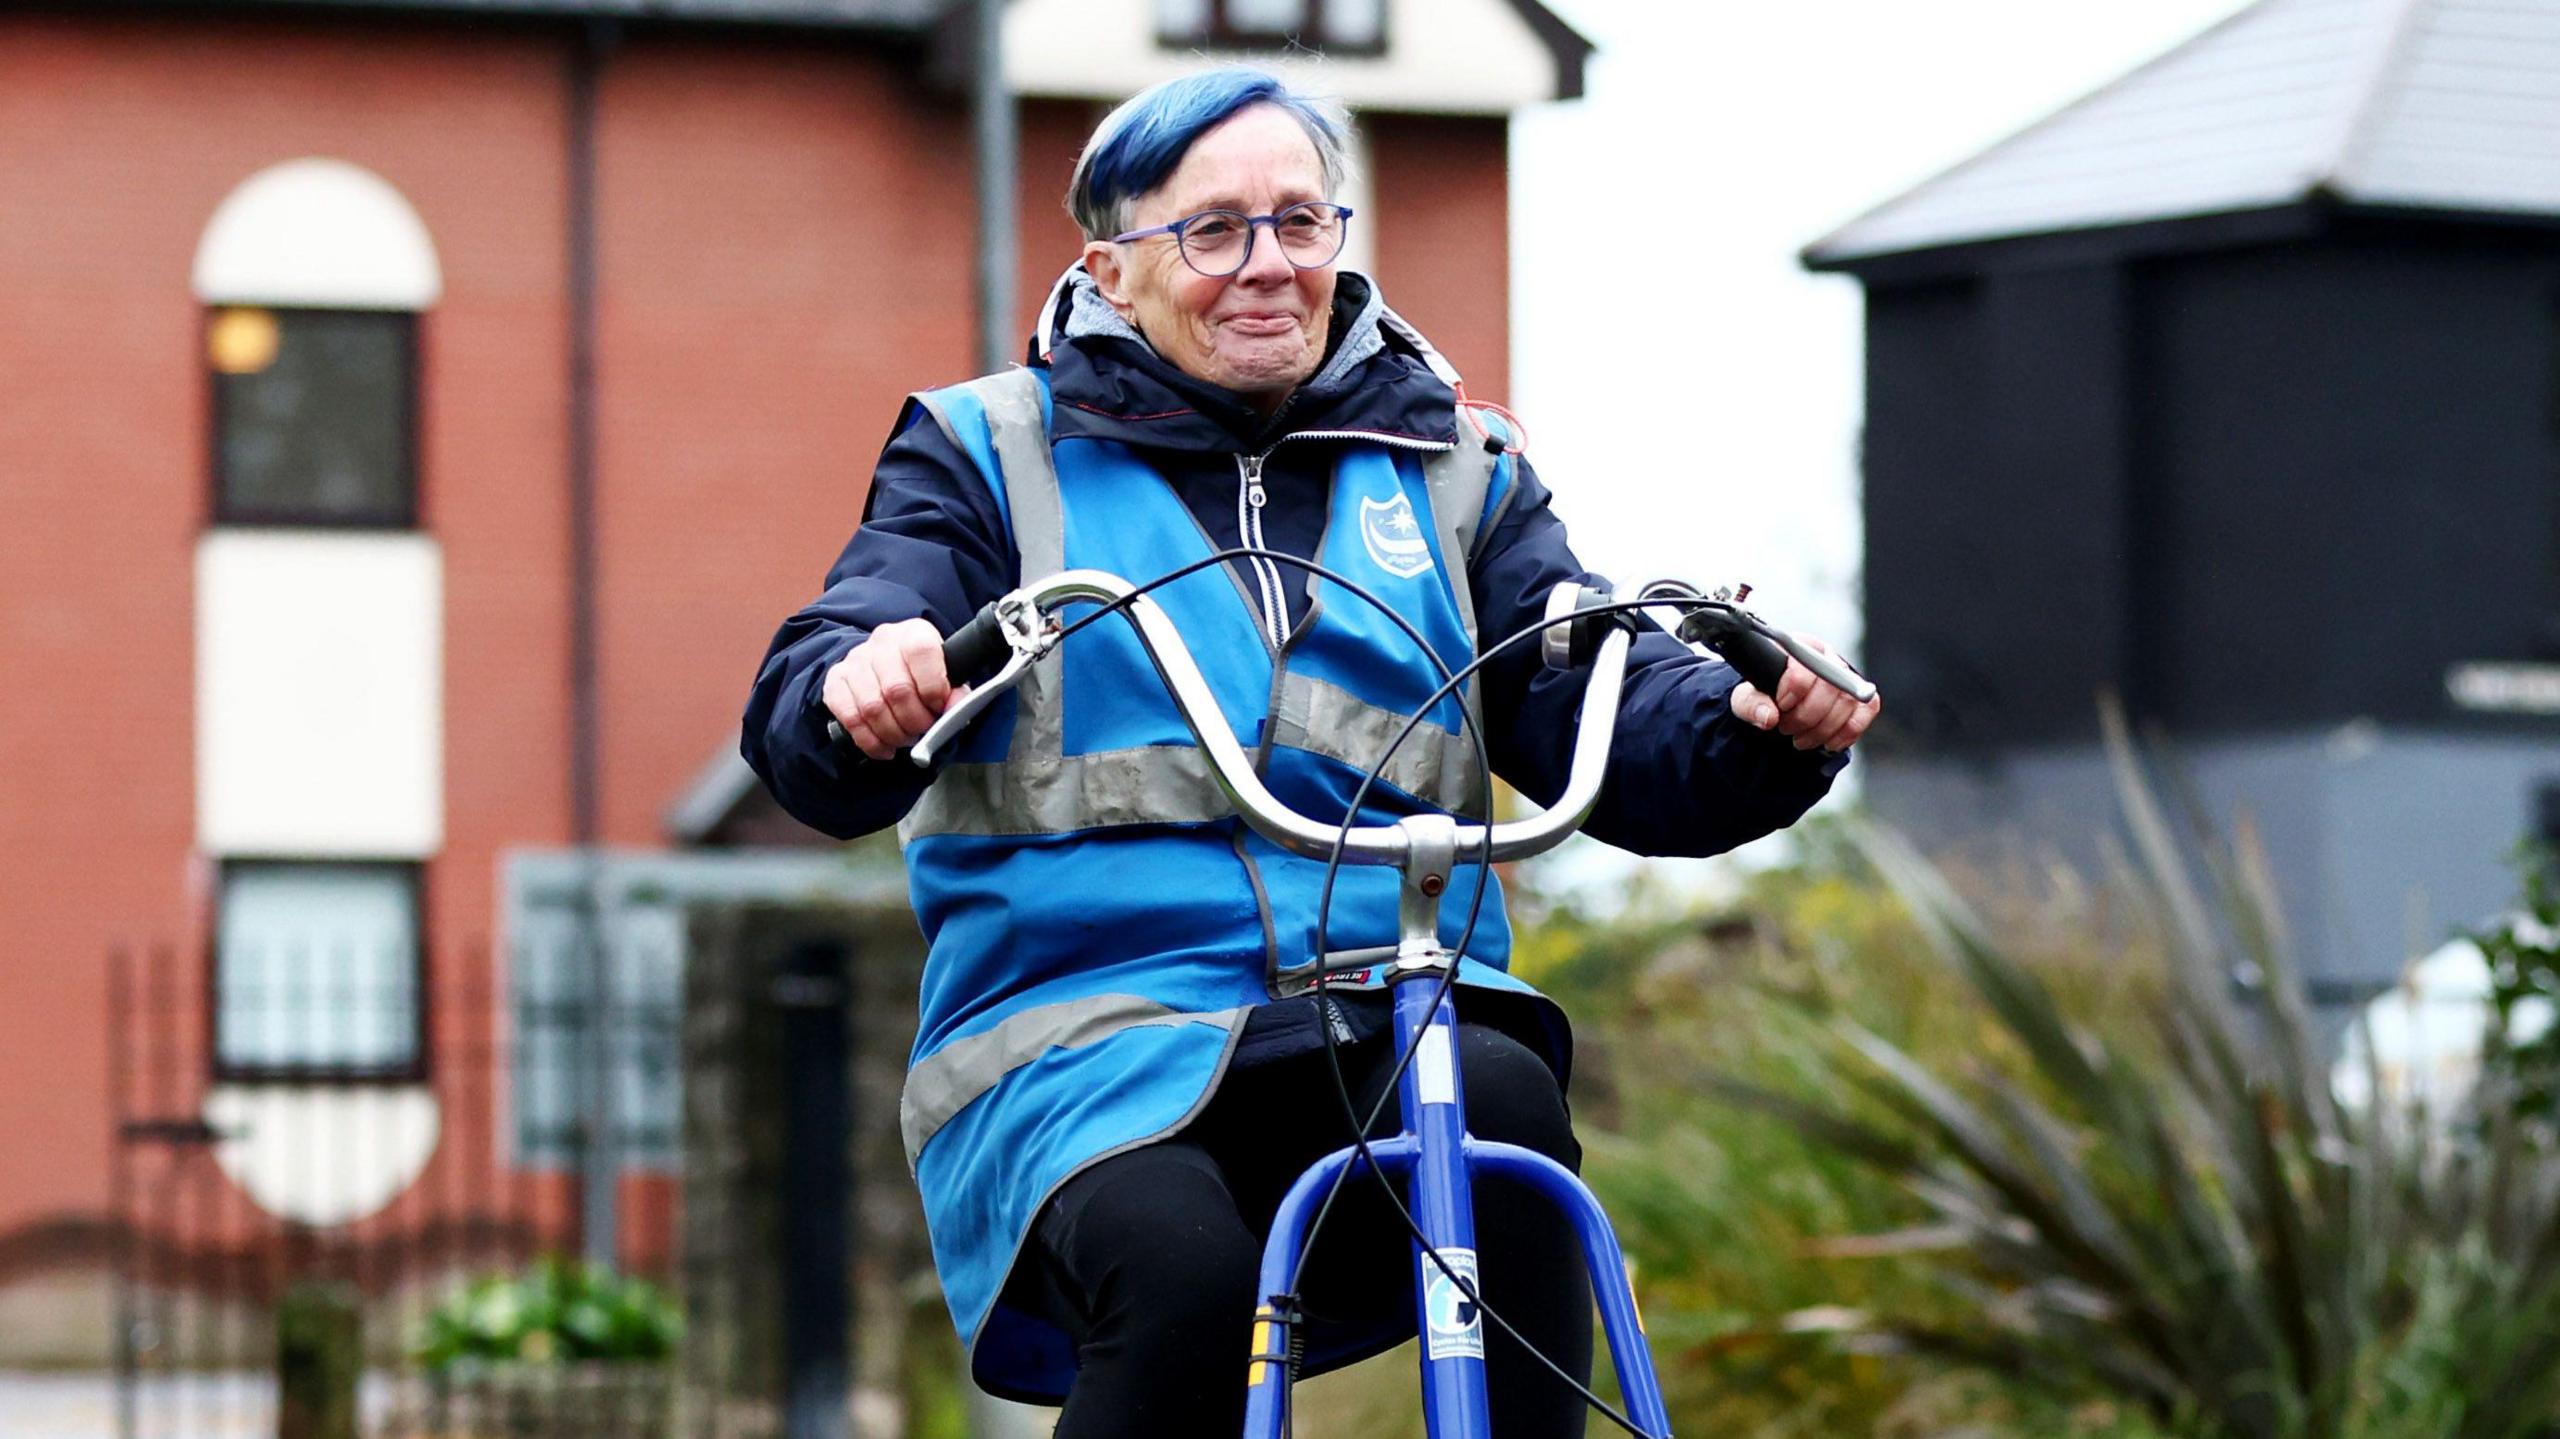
[(1266, 263)]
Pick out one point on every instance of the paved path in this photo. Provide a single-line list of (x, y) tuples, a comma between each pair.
[(83, 1406), (197, 1406)]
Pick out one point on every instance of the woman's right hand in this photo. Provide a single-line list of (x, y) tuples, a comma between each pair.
[(887, 692)]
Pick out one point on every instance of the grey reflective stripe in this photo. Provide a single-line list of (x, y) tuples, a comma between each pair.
[(1039, 533), (1326, 719), (946, 1081), (1458, 479), (1030, 478), (1030, 473), (1006, 798), (1150, 784)]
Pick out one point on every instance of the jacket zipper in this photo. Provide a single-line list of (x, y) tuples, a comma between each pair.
[(1250, 497), (1374, 437), (1266, 573)]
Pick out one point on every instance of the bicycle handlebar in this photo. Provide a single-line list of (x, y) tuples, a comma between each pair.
[(1020, 628)]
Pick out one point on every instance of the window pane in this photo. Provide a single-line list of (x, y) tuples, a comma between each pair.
[(1267, 17), (645, 967), (316, 968), (311, 409), (1353, 24), (1182, 21)]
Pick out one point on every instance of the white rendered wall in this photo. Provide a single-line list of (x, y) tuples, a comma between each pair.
[(319, 694), (1461, 57)]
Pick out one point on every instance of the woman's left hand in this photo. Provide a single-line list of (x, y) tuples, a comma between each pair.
[(1807, 708)]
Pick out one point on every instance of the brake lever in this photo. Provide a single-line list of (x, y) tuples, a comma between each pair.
[(1848, 681), (1703, 624), (1030, 634)]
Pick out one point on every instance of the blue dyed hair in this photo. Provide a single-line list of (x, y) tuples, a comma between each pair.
[(1142, 142)]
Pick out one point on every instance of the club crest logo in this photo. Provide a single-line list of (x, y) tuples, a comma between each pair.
[(1394, 537)]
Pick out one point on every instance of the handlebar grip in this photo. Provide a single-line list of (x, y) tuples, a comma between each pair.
[(977, 649), (1758, 657), (970, 654), (846, 750)]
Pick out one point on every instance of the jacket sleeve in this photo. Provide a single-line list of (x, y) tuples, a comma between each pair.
[(932, 544), (1686, 777)]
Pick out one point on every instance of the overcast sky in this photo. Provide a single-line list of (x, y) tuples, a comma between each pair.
[(1692, 394)]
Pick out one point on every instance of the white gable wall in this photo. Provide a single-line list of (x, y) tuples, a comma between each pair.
[(1458, 57)]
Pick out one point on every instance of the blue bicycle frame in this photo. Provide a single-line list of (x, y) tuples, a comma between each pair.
[(1439, 1160)]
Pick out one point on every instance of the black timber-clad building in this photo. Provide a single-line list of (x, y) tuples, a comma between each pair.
[(2234, 389)]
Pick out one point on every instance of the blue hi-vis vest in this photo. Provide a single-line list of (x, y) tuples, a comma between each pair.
[(1099, 921)]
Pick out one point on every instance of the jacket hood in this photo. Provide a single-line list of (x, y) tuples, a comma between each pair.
[(1379, 375)]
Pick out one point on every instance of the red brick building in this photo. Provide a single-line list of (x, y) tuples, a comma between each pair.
[(298, 414)]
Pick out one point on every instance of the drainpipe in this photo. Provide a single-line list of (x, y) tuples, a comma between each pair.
[(992, 129), (598, 1164), (992, 126)]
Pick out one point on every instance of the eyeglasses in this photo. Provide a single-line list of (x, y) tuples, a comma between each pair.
[(1217, 243)]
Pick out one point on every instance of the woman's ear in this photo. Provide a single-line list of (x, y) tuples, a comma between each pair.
[(1102, 262)]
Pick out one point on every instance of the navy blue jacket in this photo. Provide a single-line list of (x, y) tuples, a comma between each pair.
[(1686, 778)]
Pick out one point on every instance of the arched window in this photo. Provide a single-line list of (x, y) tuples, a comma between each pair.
[(313, 274)]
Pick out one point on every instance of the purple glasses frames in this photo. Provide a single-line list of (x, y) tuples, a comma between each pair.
[(1218, 243)]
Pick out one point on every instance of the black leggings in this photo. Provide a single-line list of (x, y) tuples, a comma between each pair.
[(1148, 1260)]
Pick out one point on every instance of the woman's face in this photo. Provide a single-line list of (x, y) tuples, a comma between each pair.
[(1259, 332)]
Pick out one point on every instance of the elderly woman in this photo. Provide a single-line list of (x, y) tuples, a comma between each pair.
[(1121, 1061)]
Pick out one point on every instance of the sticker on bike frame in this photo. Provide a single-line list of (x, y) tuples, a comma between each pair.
[(1453, 1329), (1433, 1072)]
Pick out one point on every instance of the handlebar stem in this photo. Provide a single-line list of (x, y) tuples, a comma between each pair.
[(1431, 852)]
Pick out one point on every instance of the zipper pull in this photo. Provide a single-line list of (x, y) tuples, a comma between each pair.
[(1253, 481)]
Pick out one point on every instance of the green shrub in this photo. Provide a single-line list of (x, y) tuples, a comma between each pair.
[(2182, 1216), (558, 1311), (2523, 953), (1732, 1213)]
